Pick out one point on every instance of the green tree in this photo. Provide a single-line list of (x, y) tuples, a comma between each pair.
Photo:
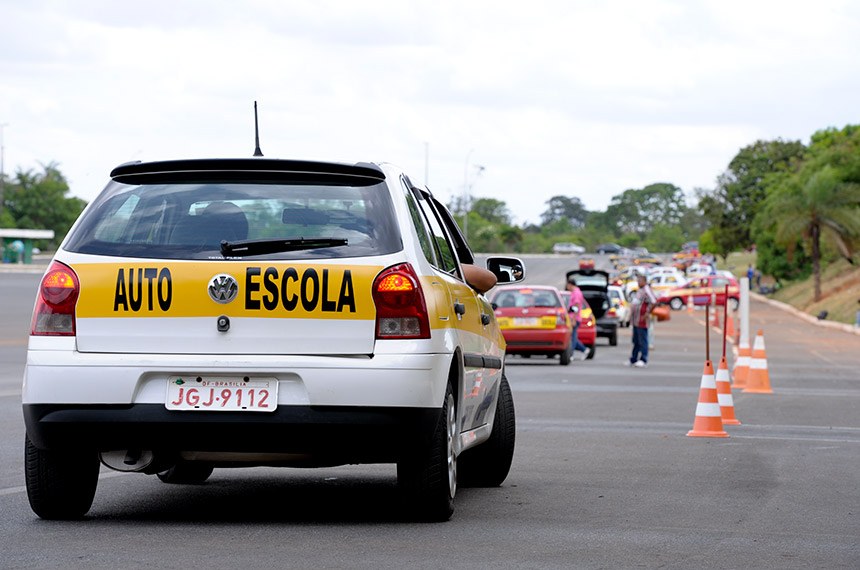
[(665, 238), (492, 210), (640, 211), (741, 189), (569, 209), (815, 206), (39, 200)]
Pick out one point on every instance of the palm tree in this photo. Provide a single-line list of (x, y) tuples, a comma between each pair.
[(823, 206)]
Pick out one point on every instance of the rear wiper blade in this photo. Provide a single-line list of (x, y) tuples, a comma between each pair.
[(264, 246)]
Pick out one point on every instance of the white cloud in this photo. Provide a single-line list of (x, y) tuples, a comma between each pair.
[(577, 98)]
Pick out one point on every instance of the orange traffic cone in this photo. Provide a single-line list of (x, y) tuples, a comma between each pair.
[(724, 395), (708, 421), (730, 327), (715, 318), (690, 305), (742, 366), (758, 381)]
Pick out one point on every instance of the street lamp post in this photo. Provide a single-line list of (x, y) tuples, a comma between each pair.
[(466, 196)]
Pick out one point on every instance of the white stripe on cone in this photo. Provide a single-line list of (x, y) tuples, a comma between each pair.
[(708, 410)]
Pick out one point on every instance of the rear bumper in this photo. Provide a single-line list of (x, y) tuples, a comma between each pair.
[(607, 328), (340, 434), (587, 336), (537, 341)]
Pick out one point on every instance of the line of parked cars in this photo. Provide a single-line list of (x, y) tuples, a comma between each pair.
[(535, 320)]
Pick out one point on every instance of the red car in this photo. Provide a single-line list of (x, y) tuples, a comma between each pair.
[(587, 333), (701, 290), (533, 320)]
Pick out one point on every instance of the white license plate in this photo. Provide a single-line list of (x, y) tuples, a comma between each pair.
[(228, 394), (525, 321)]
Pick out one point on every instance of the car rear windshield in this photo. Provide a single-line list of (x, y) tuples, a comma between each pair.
[(597, 280), (526, 298), (189, 221)]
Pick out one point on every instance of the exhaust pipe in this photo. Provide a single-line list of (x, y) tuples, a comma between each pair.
[(127, 460)]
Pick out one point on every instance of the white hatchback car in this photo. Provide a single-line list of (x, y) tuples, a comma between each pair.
[(566, 247), (244, 312)]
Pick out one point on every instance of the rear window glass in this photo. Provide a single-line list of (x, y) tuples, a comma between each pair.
[(189, 221), (527, 298), (596, 280)]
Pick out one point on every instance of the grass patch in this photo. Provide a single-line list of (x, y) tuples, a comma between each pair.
[(840, 288)]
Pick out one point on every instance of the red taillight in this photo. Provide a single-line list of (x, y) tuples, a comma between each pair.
[(400, 308), (54, 313)]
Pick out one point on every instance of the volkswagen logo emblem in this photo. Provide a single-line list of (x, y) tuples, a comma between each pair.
[(223, 288)]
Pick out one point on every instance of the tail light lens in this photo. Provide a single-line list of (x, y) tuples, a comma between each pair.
[(54, 313), (561, 319), (401, 311)]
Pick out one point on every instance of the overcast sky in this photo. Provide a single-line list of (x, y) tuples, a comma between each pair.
[(568, 97)]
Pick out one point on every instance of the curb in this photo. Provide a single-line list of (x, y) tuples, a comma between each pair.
[(851, 329), (20, 268)]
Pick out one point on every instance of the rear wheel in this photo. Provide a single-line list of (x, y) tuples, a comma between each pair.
[(591, 350), (187, 473), (676, 303), (428, 476), (564, 357), (488, 464), (613, 338), (61, 485), (734, 303)]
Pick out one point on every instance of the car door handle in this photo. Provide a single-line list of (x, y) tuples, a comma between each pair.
[(459, 308), (485, 319)]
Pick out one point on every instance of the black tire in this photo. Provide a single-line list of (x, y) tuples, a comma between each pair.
[(613, 338), (61, 485), (591, 350), (564, 357), (676, 303), (187, 473), (428, 477), (734, 304), (488, 464)]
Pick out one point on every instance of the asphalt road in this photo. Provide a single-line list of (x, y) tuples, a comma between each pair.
[(603, 477)]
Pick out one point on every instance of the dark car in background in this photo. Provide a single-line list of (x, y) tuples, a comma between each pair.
[(608, 248), (594, 285)]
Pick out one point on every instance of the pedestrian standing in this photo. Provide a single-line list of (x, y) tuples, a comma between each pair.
[(643, 303), (750, 273), (577, 304)]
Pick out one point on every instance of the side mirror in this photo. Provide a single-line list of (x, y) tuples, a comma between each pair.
[(506, 269)]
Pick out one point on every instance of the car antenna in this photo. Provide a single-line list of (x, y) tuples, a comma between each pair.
[(257, 151)]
